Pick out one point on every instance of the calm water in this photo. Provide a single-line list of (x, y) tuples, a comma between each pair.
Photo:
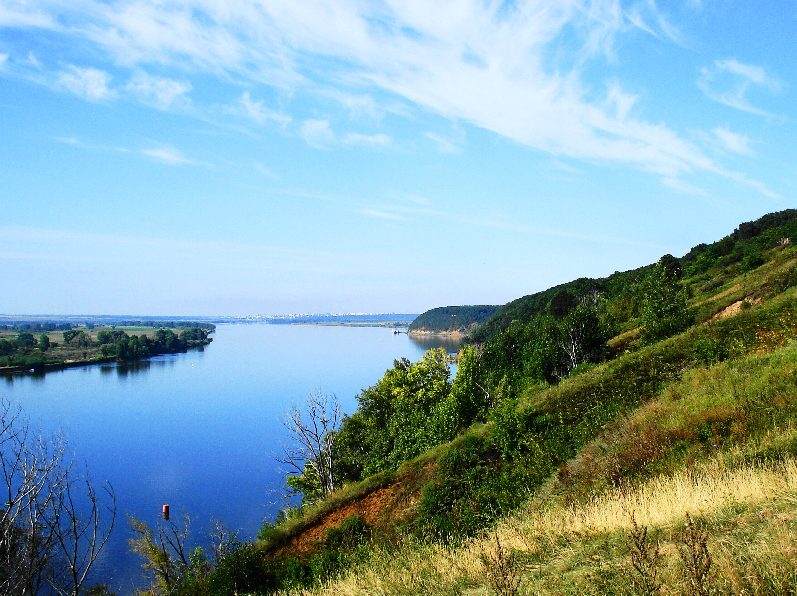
[(201, 430)]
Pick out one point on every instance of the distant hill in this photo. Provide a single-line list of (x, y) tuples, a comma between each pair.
[(623, 289), (447, 319)]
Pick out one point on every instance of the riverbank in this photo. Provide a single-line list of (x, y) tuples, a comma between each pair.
[(452, 334), (54, 366), (24, 353)]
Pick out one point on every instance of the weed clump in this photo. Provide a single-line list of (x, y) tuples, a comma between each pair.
[(645, 559), (502, 570), (692, 546)]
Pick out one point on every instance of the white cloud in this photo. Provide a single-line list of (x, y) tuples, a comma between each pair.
[(159, 92), (444, 144), (367, 140), (683, 187), (317, 133), (514, 69), (732, 141), (167, 155), (89, 83), (3, 59), (729, 82), (22, 14), (257, 111)]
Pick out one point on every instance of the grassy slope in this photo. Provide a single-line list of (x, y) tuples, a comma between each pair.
[(583, 404), (741, 483), (648, 412)]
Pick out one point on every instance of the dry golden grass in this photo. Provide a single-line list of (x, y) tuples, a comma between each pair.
[(555, 535)]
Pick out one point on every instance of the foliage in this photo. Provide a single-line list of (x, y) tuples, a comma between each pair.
[(44, 342), (314, 431), (400, 417), (665, 311), (501, 567), (452, 318)]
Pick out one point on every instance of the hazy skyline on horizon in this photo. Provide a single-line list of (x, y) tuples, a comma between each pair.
[(199, 157)]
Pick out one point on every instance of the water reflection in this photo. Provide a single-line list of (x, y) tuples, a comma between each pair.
[(429, 342)]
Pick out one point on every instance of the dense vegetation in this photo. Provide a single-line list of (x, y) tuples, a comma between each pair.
[(584, 395), (24, 350), (452, 318)]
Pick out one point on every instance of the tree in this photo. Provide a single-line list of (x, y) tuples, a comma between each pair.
[(44, 342), (25, 341), (665, 309), (164, 551), (584, 334), (45, 538), (468, 400), (313, 431)]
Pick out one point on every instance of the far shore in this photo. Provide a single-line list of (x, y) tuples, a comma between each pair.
[(452, 334)]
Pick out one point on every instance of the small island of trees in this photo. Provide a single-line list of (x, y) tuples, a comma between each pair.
[(22, 351)]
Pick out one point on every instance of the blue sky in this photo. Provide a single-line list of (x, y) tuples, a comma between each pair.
[(213, 157)]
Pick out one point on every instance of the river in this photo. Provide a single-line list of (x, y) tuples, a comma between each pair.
[(201, 431)]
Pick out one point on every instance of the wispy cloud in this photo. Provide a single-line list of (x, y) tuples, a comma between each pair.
[(159, 92), (367, 140), (732, 141), (490, 65), (3, 59), (167, 155), (258, 112), (444, 143), (381, 214), (729, 82), (317, 133), (24, 15), (89, 83), (683, 187)]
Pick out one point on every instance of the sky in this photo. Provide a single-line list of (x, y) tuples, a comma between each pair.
[(208, 157)]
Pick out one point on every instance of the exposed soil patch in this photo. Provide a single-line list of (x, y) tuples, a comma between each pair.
[(735, 308), (382, 507)]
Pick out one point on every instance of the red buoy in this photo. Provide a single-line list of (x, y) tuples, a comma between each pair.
[(166, 511)]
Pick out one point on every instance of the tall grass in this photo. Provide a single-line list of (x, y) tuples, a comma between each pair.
[(564, 545)]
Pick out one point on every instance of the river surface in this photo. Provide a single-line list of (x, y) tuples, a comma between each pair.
[(202, 430)]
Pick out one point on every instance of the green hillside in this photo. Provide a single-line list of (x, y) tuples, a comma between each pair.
[(705, 264), (452, 318), (634, 434)]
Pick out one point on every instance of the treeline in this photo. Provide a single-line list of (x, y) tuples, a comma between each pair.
[(118, 344), (452, 318), (28, 350), (742, 250), (11, 325)]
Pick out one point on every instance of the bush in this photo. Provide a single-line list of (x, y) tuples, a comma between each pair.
[(472, 488)]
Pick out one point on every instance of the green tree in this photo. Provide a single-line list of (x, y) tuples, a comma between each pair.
[(665, 310), (467, 401), (25, 341), (44, 342), (412, 425)]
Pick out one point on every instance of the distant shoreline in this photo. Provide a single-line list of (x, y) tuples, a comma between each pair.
[(54, 366), (453, 334)]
